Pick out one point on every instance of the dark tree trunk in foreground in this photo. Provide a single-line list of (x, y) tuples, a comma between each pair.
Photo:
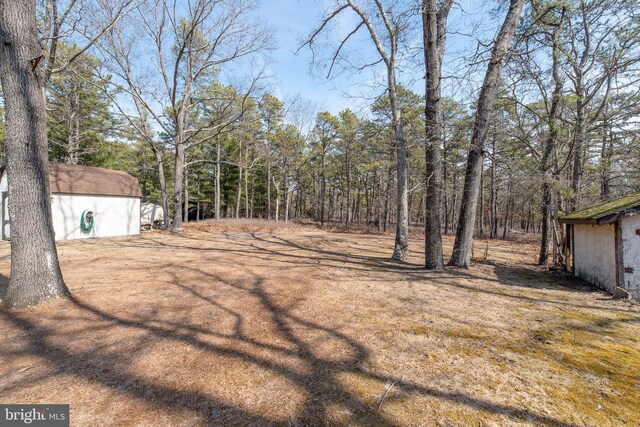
[(434, 32), (461, 255), (35, 271)]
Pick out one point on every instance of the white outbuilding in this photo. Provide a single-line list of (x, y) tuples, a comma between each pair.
[(85, 202), (605, 243), (151, 215)]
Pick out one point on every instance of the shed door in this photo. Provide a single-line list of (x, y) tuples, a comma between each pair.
[(5, 216), (631, 251)]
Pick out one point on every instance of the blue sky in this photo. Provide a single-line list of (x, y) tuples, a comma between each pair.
[(293, 20)]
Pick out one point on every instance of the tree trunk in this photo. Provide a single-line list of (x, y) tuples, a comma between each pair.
[(323, 184), (387, 201), (606, 155), (186, 195), (163, 184), (277, 199), (181, 118), (348, 176), (73, 126), (507, 213), (545, 163), (580, 139), (481, 216), (401, 246), (217, 180), (246, 182), (445, 179), (287, 199), (269, 189), (35, 270), (177, 190), (461, 255), (494, 192), (434, 34), (239, 194)]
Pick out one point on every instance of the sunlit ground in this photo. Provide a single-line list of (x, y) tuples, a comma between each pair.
[(303, 327)]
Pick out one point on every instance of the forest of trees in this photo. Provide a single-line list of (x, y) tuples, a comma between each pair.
[(155, 91)]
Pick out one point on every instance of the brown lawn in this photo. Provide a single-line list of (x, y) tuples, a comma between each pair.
[(224, 326)]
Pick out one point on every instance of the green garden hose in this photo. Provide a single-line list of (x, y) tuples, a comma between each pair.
[(84, 226)]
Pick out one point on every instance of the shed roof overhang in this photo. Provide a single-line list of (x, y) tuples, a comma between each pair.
[(605, 213), (90, 181)]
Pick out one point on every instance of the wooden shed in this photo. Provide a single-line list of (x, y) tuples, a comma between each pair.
[(605, 243), (85, 202)]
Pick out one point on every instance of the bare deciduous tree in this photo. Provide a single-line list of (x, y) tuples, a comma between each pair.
[(385, 28), (190, 44)]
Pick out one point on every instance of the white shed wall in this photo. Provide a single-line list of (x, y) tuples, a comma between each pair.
[(150, 212), (631, 254), (114, 216), (595, 255)]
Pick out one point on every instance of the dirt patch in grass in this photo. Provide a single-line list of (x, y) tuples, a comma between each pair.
[(250, 325)]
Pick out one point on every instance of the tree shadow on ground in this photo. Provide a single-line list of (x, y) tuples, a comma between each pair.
[(296, 338), (260, 246), (4, 285)]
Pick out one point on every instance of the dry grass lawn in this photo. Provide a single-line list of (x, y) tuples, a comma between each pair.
[(227, 326)]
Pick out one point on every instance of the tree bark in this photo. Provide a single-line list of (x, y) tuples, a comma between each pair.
[(163, 184), (186, 195), (277, 184), (177, 190), (606, 155), (35, 270), (269, 189), (494, 192), (73, 126), (550, 142), (461, 255), (287, 195), (246, 181), (217, 179), (434, 38), (401, 246), (445, 181), (387, 200), (481, 215), (323, 184), (239, 193), (347, 171), (580, 138)]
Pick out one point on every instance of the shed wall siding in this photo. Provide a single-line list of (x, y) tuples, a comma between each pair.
[(631, 254), (595, 255), (150, 212), (114, 216)]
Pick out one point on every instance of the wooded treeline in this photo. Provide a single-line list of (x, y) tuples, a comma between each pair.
[(177, 97)]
